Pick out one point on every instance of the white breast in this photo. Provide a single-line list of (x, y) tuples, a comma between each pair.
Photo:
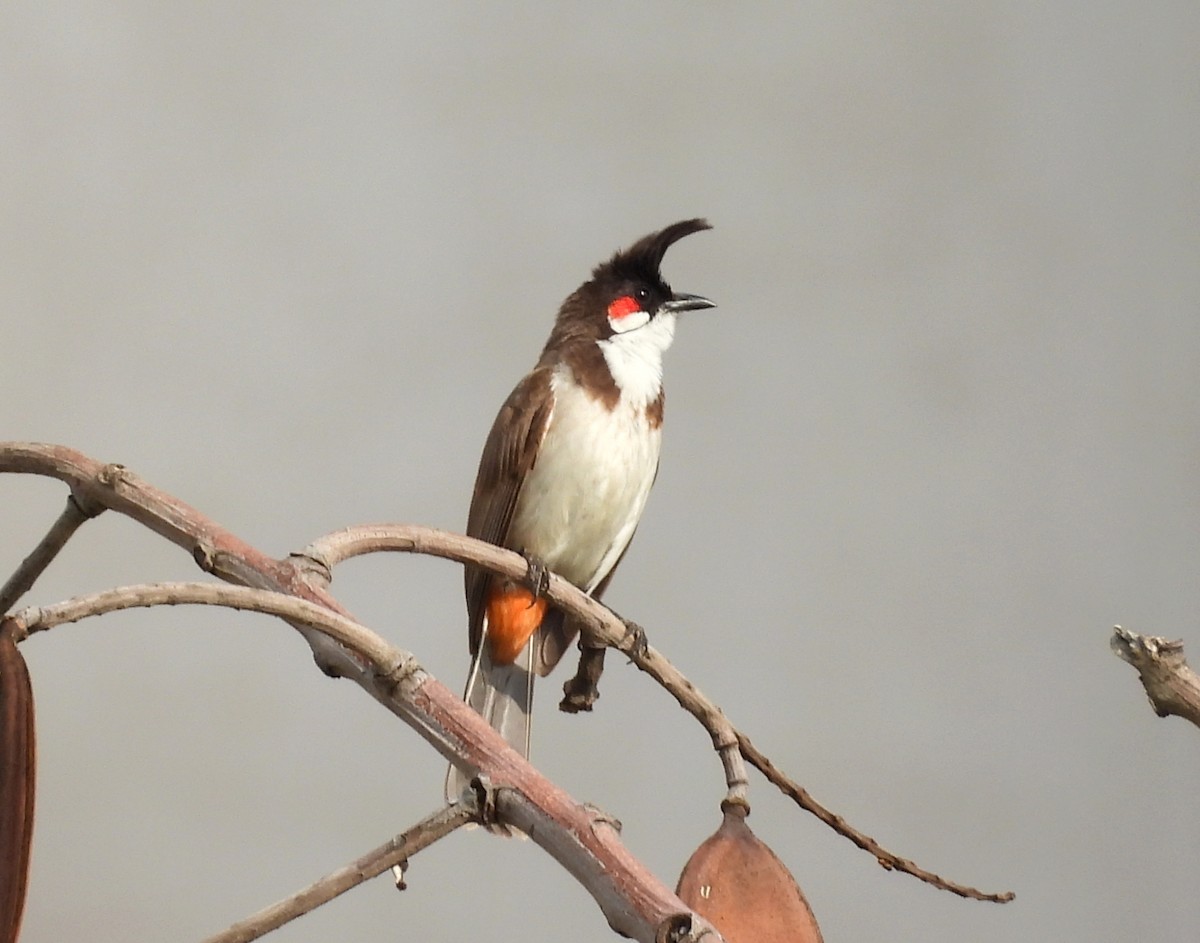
[(586, 492), (635, 359)]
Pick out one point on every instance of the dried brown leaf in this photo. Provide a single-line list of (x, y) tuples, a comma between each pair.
[(738, 884), (17, 773)]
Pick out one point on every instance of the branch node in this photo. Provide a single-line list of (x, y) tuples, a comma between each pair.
[(399, 671), (84, 505), (1137, 649), (677, 928), (14, 627), (111, 475), (737, 783), (600, 817), (491, 799), (205, 555), (21, 625), (738, 806), (314, 570)]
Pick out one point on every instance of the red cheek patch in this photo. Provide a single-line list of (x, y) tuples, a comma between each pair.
[(623, 307)]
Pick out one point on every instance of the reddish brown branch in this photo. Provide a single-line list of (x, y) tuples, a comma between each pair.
[(602, 626), (435, 712), (1170, 683), (95, 486), (607, 869)]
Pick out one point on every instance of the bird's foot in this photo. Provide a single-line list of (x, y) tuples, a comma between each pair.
[(537, 576), (583, 690), (634, 643)]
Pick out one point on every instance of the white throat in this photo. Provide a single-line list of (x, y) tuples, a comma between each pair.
[(635, 359)]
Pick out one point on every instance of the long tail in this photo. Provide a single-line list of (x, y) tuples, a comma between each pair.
[(503, 695)]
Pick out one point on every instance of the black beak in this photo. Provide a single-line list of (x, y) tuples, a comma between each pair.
[(683, 302)]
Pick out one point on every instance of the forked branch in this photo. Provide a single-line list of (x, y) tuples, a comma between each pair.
[(635, 903), (604, 627)]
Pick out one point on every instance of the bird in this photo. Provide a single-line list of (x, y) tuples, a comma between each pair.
[(566, 471)]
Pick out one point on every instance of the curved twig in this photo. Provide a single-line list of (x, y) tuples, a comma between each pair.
[(604, 626), (383, 657), (634, 902), (455, 735)]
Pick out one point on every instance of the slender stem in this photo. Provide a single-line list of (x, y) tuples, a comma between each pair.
[(34, 565), (605, 627), (391, 853)]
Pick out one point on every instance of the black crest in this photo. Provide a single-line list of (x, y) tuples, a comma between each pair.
[(582, 317), (641, 261)]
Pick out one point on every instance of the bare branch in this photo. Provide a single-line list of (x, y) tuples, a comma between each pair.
[(424, 703), (583, 854), (603, 626), (69, 521), (631, 898), (95, 486), (383, 657), (885, 858), (430, 708), (373, 863), (1172, 686)]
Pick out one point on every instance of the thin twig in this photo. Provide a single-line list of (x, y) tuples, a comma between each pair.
[(605, 627), (634, 902), (373, 863), (432, 710), (22, 580), (215, 549), (885, 858), (385, 659)]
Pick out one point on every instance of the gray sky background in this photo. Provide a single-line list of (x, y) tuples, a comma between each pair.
[(284, 260)]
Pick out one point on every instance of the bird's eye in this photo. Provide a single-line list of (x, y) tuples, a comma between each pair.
[(642, 295)]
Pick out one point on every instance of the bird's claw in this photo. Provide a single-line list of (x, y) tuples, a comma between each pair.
[(537, 576), (634, 643)]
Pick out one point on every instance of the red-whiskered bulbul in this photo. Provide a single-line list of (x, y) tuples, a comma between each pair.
[(566, 471)]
